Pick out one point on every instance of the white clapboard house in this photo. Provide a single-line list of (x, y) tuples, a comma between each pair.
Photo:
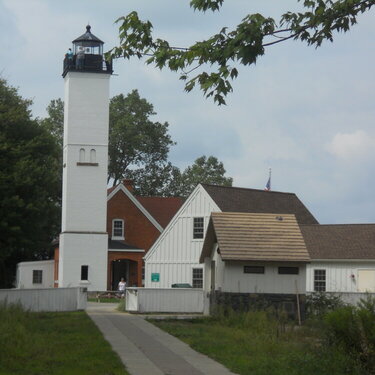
[(174, 257), (342, 258), (247, 255)]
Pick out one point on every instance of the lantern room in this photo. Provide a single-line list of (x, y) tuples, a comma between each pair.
[(87, 55)]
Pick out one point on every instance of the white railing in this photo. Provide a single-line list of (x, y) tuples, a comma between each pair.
[(51, 299), (174, 300)]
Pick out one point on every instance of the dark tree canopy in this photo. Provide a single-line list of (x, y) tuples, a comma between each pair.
[(203, 171), (135, 142), (29, 185), (54, 123), (215, 58)]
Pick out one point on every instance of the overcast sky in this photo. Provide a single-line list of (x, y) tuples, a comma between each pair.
[(307, 113)]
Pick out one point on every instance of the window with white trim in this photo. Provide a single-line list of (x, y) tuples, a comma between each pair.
[(197, 277), (198, 227), (319, 280), (118, 229), (37, 276)]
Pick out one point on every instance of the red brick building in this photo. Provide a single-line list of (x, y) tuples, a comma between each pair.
[(133, 225)]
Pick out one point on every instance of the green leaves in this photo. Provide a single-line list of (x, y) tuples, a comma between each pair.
[(29, 185), (135, 142), (215, 57)]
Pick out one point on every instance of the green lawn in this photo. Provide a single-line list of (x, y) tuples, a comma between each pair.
[(53, 344), (255, 344)]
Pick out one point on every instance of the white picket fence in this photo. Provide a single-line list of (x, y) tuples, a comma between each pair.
[(173, 300), (50, 299)]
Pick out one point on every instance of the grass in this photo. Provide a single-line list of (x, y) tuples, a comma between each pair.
[(53, 344), (254, 343)]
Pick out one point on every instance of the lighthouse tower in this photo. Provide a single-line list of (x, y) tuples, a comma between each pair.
[(83, 239)]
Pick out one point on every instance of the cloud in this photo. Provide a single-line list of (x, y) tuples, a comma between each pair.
[(356, 145)]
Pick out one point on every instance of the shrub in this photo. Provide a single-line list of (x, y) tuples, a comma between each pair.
[(320, 303), (353, 329)]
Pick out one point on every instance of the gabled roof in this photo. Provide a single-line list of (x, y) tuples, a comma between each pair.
[(234, 199), (255, 237), (161, 208), (340, 241)]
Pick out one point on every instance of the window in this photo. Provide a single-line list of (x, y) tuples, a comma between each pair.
[(253, 269), (198, 227), (92, 156), (197, 277), (81, 155), (84, 273), (118, 228), (288, 270), (319, 280), (37, 276)]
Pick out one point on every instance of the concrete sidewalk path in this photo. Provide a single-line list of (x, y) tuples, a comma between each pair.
[(145, 349)]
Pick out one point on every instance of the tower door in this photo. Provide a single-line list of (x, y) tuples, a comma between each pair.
[(120, 268)]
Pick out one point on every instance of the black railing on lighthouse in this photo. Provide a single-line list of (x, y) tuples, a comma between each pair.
[(91, 63)]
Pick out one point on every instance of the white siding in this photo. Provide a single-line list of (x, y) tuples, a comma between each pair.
[(25, 274), (175, 252), (236, 281), (83, 239), (338, 274)]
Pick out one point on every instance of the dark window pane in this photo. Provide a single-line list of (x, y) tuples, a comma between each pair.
[(197, 277), (319, 280), (84, 272), (288, 270), (37, 276), (198, 227), (253, 269), (118, 230)]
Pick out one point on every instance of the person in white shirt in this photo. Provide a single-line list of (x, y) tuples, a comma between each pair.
[(122, 287)]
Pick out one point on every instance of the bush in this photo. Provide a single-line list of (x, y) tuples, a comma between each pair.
[(320, 303), (353, 329)]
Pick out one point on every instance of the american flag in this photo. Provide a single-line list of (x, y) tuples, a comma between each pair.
[(268, 185)]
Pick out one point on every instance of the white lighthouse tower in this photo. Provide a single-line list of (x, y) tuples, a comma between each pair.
[(84, 239)]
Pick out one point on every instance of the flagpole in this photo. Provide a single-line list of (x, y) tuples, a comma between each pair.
[(270, 176)]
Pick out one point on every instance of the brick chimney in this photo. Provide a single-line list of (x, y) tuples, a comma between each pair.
[(128, 184)]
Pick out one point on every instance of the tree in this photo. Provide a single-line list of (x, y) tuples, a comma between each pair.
[(138, 147), (29, 185), (136, 143), (157, 180), (203, 171), (54, 123), (216, 56)]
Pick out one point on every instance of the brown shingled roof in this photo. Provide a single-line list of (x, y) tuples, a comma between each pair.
[(340, 241), (234, 199), (256, 237), (161, 208)]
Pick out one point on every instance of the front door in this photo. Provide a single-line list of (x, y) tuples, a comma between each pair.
[(120, 268)]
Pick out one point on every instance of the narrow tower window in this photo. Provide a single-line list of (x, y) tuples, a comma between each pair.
[(82, 155), (92, 156), (84, 273)]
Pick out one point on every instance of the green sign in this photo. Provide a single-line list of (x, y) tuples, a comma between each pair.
[(155, 277)]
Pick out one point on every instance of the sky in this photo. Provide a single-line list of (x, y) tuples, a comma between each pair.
[(307, 113)]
